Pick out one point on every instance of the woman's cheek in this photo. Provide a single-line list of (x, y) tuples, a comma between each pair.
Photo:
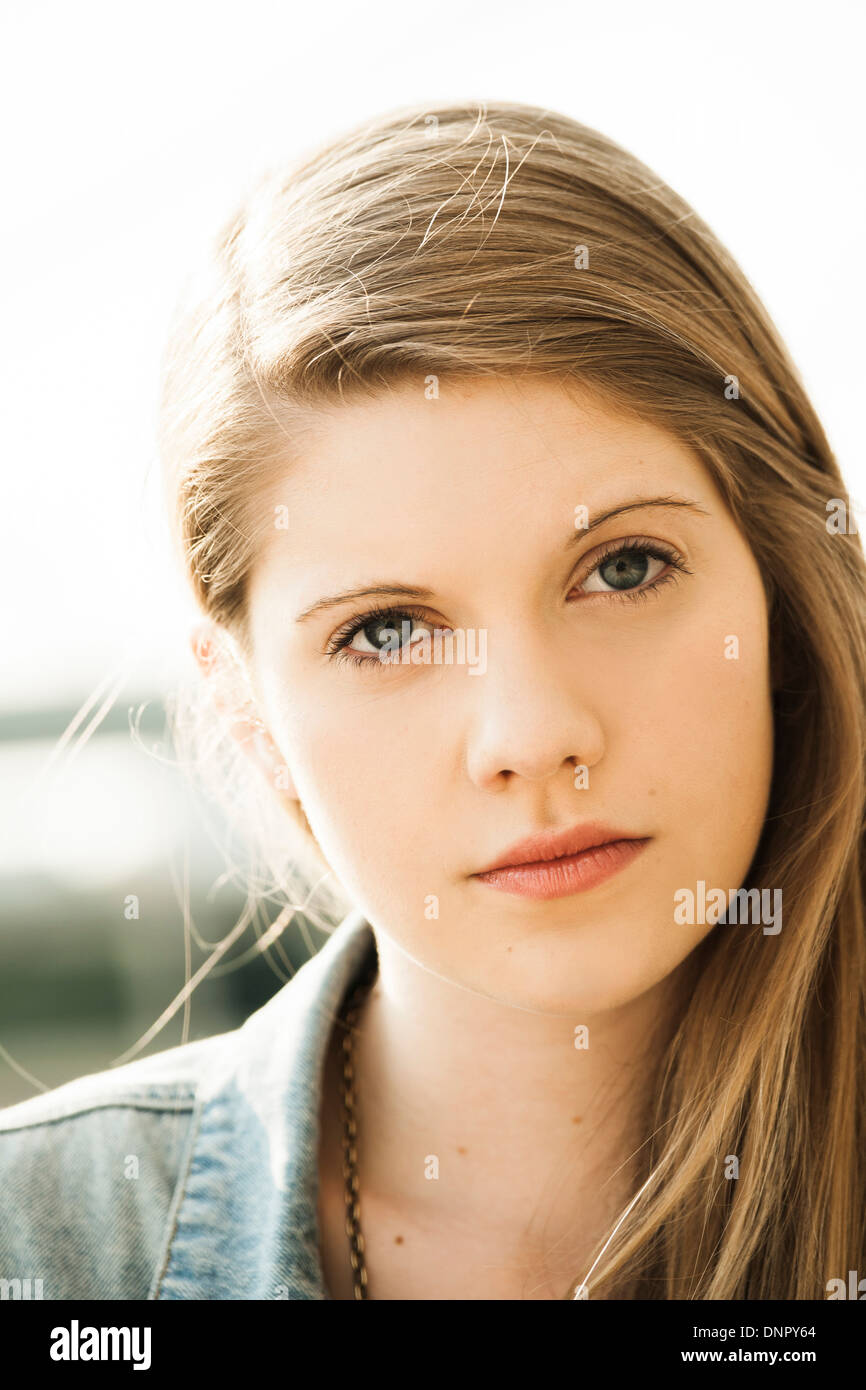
[(720, 749), (362, 781)]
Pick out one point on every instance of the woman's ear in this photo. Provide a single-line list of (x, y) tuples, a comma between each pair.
[(234, 702)]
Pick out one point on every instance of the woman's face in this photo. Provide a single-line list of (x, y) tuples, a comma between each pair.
[(630, 690)]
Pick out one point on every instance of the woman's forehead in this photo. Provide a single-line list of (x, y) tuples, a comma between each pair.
[(464, 451)]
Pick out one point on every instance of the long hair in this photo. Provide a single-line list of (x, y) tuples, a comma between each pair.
[(490, 238)]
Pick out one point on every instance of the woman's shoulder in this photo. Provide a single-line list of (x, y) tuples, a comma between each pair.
[(107, 1180), (87, 1175), (164, 1079)]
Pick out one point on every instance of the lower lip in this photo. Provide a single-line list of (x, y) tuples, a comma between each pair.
[(559, 878)]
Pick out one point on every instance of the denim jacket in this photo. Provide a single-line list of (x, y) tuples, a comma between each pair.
[(191, 1173)]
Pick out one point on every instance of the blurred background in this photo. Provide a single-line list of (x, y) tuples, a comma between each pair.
[(130, 133)]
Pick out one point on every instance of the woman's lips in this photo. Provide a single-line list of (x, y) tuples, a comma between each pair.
[(573, 873)]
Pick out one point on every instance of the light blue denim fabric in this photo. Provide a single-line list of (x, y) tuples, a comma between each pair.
[(190, 1174)]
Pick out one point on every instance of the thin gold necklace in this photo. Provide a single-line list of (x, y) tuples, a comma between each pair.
[(350, 1138)]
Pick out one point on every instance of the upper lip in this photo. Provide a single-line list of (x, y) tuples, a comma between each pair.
[(556, 844)]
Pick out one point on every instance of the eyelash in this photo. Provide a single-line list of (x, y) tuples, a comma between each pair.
[(338, 647)]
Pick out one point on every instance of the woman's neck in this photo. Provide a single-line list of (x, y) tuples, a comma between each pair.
[(474, 1114)]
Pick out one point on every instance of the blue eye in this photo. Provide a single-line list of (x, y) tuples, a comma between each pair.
[(630, 567), (381, 629)]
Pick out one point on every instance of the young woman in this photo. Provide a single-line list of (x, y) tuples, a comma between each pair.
[(531, 591)]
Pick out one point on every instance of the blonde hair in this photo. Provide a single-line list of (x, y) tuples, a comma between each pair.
[(482, 239)]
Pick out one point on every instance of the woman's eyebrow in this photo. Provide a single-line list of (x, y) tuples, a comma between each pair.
[(636, 504), (397, 590), (371, 591)]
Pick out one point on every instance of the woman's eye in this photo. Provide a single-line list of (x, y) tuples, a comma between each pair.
[(378, 637), (627, 568), (384, 634)]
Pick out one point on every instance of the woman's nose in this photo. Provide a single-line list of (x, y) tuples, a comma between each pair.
[(531, 714)]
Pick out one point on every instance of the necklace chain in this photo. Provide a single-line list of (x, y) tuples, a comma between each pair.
[(350, 1140)]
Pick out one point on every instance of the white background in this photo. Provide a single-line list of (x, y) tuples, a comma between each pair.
[(130, 130)]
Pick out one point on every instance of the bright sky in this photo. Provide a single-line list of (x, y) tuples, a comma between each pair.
[(130, 131)]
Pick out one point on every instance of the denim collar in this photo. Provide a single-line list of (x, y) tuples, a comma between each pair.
[(244, 1222)]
